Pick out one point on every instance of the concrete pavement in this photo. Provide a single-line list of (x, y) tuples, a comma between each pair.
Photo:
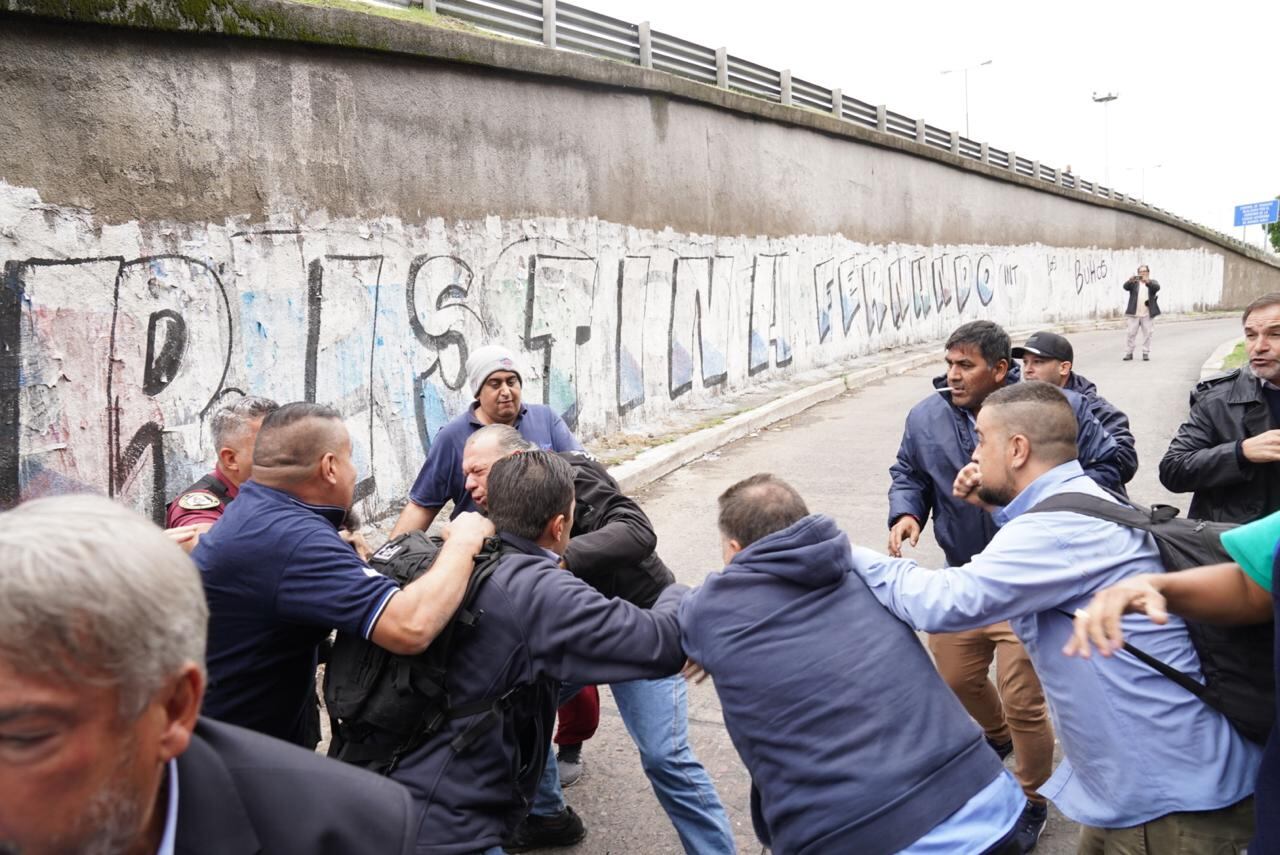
[(837, 454)]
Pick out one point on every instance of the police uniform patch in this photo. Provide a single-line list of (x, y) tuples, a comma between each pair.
[(198, 501)]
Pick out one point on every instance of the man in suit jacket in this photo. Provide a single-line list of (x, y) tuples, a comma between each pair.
[(102, 748)]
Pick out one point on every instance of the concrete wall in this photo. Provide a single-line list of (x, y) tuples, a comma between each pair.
[(186, 217)]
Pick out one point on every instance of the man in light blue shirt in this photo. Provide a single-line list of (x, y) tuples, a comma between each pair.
[(1138, 746)]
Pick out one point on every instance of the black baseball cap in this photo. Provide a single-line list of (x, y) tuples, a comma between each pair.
[(1046, 344)]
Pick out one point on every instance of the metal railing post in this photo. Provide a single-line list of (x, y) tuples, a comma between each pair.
[(646, 46), (984, 153), (1013, 161), (837, 103), (722, 68), (955, 142), (784, 85), (1035, 169), (549, 23), (882, 119), (920, 126)]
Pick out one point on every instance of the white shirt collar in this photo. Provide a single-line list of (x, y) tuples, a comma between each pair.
[(169, 839)]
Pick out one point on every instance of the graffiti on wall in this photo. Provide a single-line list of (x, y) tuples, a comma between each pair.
[(117, 342)]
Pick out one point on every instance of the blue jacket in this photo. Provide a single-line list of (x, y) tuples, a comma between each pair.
[(852, 740), (1113, 422), (539, 626), (938, 441)]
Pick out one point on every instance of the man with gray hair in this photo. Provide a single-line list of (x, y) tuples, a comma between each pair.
[(102, 747), (235, 429)]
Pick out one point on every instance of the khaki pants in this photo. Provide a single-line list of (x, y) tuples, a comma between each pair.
[(1017, 711), (1207, 832), (1136, 323)]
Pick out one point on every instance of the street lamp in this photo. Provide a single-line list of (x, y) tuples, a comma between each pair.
[(1142, 175), (966, 71), (1105, 101)]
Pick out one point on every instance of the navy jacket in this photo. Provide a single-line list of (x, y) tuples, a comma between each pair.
[(937, 442), (539, 626), (1113, 421), (242, 793), (853, 742)]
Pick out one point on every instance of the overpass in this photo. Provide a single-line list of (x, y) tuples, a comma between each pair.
[(201, 198)]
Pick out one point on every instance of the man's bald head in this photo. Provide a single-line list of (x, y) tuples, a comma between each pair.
[(294, 440), (1040, 412)]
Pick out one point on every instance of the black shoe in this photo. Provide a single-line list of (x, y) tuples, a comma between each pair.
[(1128, 357), (1030, 826), (1004, 749), (538, 832), (1146, 357)]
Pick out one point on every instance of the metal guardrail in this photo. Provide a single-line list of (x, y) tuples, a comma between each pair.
[(565, 26)]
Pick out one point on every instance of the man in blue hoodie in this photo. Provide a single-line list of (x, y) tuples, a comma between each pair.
[(938, 440), (538, 626), (853, 742)]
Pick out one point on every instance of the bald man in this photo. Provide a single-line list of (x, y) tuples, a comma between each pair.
[(279, 578)]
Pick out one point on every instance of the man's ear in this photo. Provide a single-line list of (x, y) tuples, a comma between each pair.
[(1002, 370), (228, 460), (329, 467), (1064, 368), (180, 703), (1019, 451)]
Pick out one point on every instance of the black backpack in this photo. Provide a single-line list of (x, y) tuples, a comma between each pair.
[(1237, 661), (381, 705)]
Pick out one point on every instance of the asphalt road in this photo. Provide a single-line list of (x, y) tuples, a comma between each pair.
[(837, 455)]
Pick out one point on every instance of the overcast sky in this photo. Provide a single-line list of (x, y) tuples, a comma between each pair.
[(1197, 120)]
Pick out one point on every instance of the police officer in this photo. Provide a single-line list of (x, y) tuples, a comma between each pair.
[(279, 578), (235, 428), (1228, 450)]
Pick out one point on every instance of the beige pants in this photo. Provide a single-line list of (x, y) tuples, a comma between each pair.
[(1226, 831), (1138, 322), (1017, 711)]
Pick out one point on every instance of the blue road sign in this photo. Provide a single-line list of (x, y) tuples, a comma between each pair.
[(1258, 213)]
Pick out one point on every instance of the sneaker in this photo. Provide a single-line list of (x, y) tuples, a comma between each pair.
[(1004, 749), (538, 832), (1128, 357), (1030, 826), (569, 759), (1146, 357)]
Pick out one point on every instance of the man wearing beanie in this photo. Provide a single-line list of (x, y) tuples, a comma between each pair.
[(495, 377)]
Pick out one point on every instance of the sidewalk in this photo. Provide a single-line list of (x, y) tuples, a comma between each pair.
[(639, 459)]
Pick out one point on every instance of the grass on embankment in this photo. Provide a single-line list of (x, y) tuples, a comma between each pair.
[(1235, 358)]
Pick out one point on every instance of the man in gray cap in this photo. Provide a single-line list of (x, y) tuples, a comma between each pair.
[(1048, 356), (495, 376)]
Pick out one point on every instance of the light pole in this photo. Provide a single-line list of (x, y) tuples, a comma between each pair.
[(1142, 175), (1105, 101), (966, 71)]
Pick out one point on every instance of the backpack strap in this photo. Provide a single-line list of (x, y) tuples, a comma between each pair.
[(1182, 678), (1126, 514)]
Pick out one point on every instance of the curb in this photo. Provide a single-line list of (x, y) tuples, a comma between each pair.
[(1213, 365), (654, 463)]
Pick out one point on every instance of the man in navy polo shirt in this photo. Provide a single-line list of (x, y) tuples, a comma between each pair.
[(495, 378), (279, 578)]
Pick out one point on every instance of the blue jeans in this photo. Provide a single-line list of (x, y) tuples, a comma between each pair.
[(656, 715)]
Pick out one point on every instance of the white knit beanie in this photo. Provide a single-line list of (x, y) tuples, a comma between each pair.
[(488, 359)]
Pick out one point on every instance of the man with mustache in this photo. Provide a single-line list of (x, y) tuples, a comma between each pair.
[(937, 442)]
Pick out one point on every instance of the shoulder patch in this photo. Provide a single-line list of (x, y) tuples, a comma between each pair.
[(198, 500)]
